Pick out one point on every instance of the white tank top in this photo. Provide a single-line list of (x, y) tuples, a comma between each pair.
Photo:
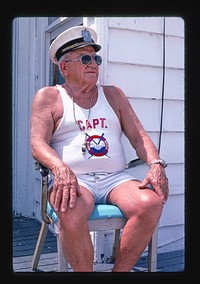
[(104, 149)]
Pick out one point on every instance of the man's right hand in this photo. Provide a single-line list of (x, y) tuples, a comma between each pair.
[(65, 189)]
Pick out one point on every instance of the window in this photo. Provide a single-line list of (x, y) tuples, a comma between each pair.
[(51, 20), (56, 26)]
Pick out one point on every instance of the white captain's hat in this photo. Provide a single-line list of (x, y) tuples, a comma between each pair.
[(73, 38)]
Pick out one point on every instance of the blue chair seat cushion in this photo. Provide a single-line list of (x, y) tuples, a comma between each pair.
[(101, 211)]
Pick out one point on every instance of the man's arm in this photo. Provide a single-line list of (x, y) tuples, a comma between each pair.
[(45, 115), (142, 143), (42, 126)]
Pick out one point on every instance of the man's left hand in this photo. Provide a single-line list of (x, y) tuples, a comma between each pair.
[(156, 176)]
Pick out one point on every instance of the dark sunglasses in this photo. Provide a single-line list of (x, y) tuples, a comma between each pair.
[(86, 59)]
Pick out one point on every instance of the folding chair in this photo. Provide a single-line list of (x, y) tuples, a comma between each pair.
[(104, 217)]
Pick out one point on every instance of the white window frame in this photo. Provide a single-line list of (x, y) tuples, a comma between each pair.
[(51, 32)]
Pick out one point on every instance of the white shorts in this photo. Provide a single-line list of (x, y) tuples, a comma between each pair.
[(100, 184)]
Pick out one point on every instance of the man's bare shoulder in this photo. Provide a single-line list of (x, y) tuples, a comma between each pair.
[(48, 91), (113, 92), (46, 95), (110, 88)]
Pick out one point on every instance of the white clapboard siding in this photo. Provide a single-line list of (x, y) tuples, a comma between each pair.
[(149, 24), (139, 83), (172, 147), (149, 113), (171, 212), (176, 180), (134, 62), (142, 48)]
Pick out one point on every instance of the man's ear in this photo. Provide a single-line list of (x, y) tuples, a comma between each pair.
[(63, 67)]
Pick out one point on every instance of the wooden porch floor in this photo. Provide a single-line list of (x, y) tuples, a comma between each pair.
[(25, 234)]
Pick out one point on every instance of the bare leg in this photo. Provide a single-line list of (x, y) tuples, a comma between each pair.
[(142, 209), (74, 234)]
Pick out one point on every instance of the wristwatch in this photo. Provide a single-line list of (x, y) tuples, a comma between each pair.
[(160, 161)]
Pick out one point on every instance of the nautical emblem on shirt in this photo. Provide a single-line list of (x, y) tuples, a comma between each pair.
[(97, 145)]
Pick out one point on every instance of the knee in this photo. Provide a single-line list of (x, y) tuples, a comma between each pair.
[(151, 202), (149, 206), (73, 220)]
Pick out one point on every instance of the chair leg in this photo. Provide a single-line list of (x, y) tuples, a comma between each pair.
[(152, 249), (115, 243), (152, 252), (62, 262), (39, 245)]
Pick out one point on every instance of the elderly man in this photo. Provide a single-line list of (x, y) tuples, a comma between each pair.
[(76, 131)]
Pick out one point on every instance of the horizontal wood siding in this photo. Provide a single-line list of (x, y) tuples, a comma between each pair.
[(134, 62), (139, 83)]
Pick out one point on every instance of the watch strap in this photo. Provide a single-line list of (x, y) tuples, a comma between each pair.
[(159, 161)]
